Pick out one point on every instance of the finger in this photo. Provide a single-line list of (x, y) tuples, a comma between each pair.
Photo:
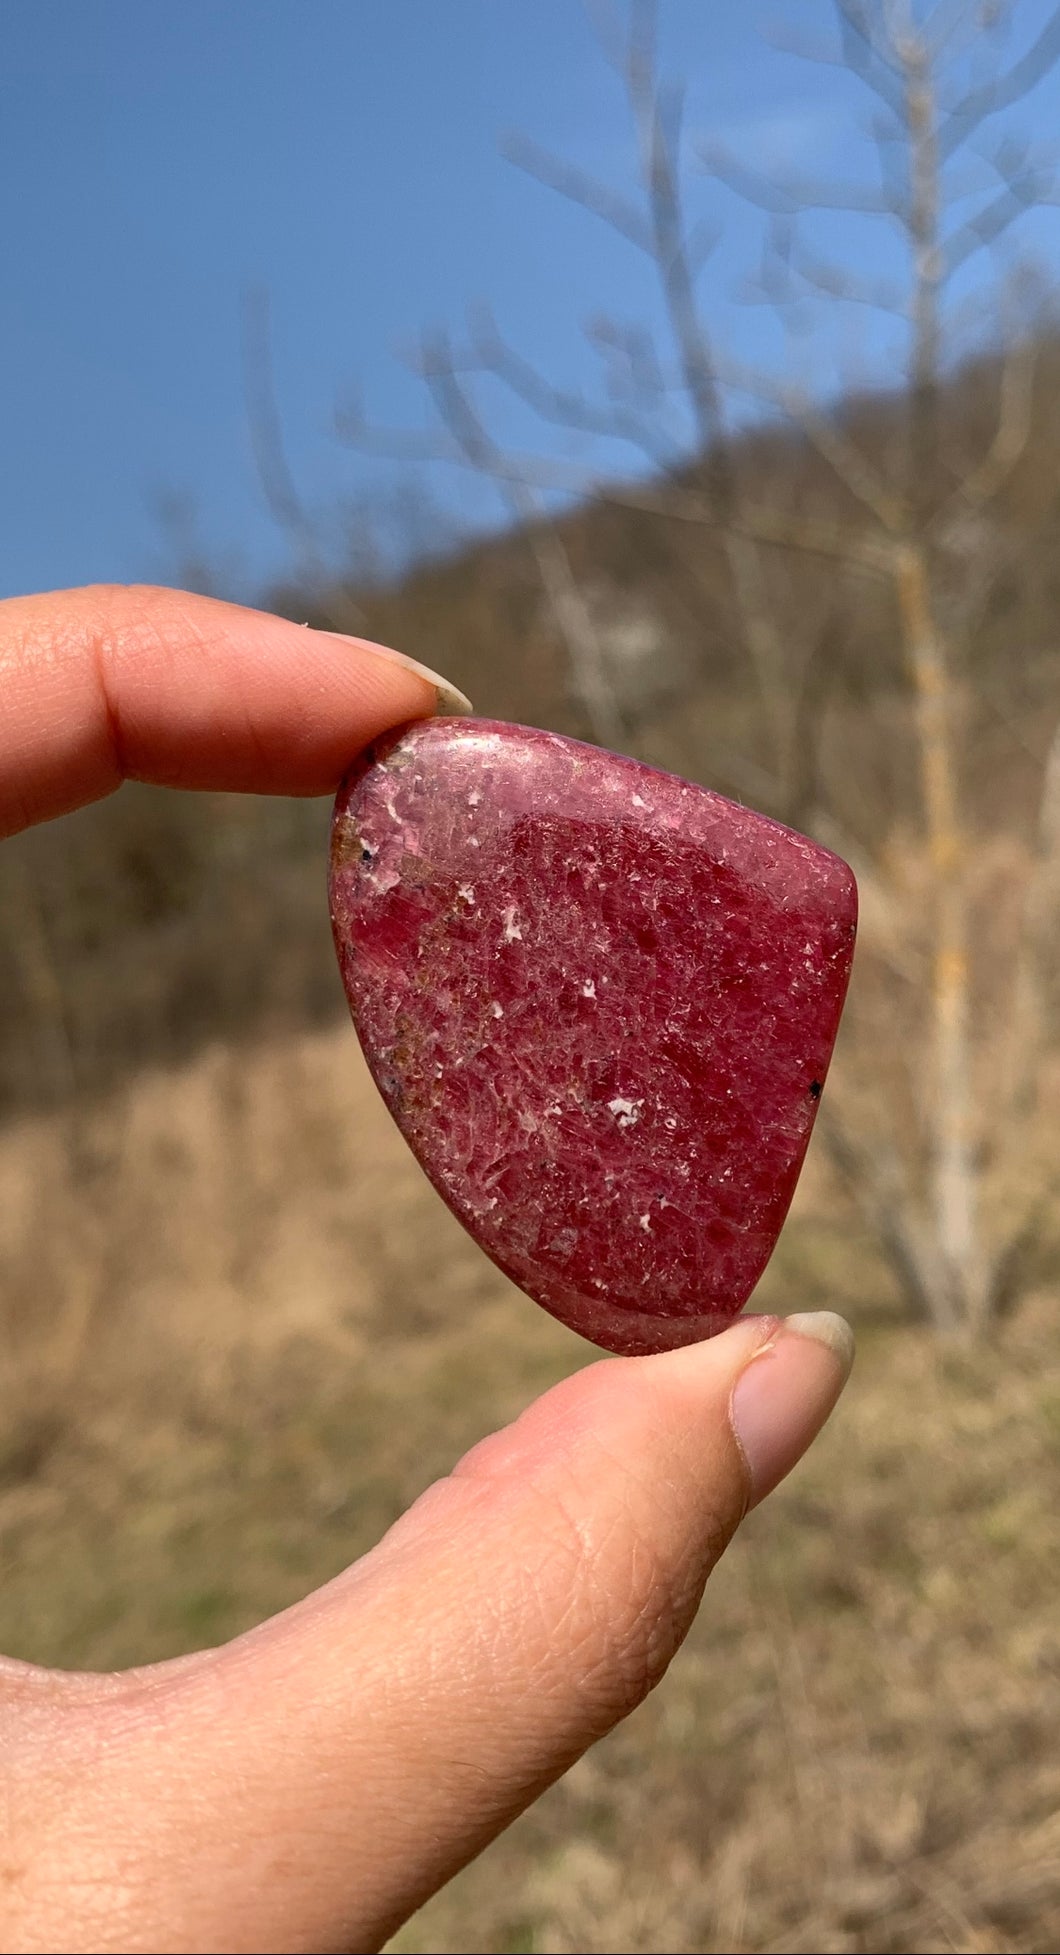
[(135, 683), (309, 1785)]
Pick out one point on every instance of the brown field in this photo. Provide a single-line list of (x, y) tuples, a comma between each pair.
[(242, 1333)]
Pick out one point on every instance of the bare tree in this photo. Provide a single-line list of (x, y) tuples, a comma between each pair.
[(939, 1198)]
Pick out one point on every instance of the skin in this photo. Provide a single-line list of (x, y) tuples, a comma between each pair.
[(308, 1785)]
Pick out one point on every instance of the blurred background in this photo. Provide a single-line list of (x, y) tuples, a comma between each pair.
[(687, 379)]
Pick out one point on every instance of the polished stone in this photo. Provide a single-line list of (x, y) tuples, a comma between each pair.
[(600, 1003)]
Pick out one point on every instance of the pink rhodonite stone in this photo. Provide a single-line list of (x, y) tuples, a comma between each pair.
[(600, 1004)]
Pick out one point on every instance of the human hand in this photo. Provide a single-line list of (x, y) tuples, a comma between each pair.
[(309, 1784)]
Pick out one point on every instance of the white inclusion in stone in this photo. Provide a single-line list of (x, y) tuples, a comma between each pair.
[(497, 1010), (474, 797), (639, 801), (466, 893), (645, 1221), (588, 989), (512, 929), (626, 1112)]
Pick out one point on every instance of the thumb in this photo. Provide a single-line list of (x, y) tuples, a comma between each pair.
[(313, 1782)]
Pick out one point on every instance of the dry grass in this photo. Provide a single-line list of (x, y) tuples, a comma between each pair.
[(242, 1333)]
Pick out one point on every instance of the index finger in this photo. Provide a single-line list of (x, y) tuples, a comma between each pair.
[(120, 683)]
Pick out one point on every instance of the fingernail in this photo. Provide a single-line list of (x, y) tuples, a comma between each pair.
[(450, 698), (784, 1395)]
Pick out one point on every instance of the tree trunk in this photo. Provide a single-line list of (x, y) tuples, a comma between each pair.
[(953, 1190)]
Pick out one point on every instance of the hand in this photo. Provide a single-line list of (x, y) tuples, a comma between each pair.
[(311, 1783)]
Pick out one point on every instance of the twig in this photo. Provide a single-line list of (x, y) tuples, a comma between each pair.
[(1001, 90), (277, 483), (566, 599), (1009, 445)]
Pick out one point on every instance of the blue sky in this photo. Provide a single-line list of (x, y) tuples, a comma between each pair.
[(160, 157)]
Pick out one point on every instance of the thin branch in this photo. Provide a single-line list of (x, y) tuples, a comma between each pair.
[(558, 406), (566, 599), (657, 114), (1009, 551), (889, 145), (796, 194), (857, 23), (980, 103), (1012, 435), (867, 56), (984, 229), (658, 128), (277, 483), (606, 24), (844, 458), (946, 22), (266, 431), (774, 526), (836, 282), (578, 187), (630, 362), (921, 220), (778, 527), (877, 1182), (701, 242)]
